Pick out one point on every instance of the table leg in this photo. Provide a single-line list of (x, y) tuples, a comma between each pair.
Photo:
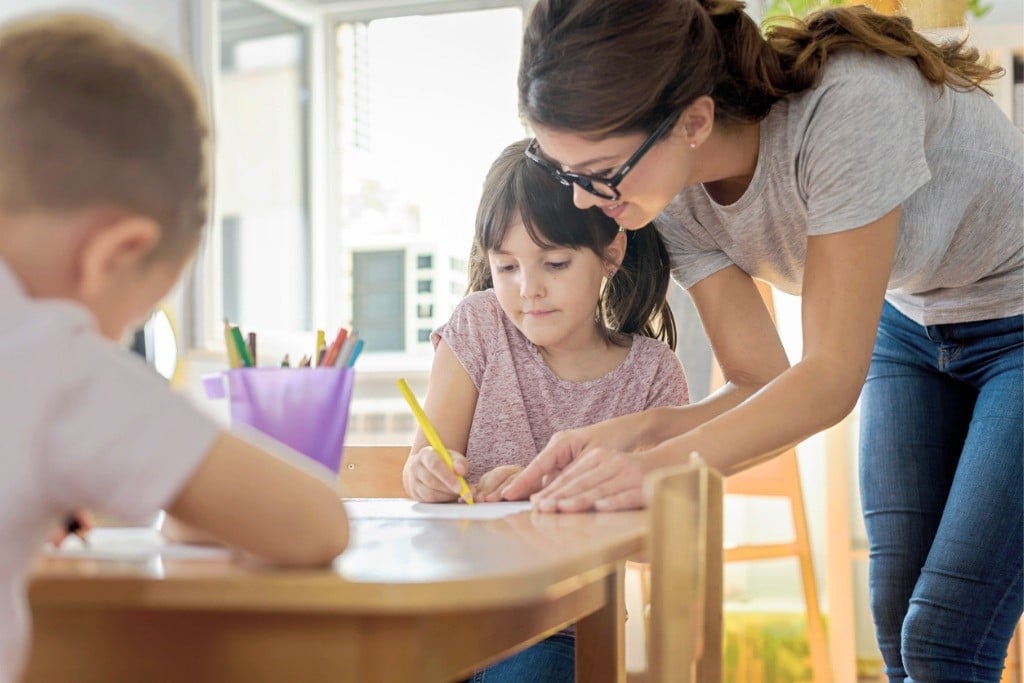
[(600, 637)]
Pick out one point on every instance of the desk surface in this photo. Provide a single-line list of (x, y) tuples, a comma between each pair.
[(390, 564), (425, 600)]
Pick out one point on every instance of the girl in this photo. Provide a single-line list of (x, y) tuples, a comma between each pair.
[(849, 160), (562, 329)]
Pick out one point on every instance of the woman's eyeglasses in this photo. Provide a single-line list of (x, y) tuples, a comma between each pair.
[(603, 187)]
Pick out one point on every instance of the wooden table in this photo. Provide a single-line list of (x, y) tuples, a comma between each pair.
[(410, 600)]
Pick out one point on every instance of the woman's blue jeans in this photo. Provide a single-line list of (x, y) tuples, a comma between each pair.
[(552, 660), (940, 466)]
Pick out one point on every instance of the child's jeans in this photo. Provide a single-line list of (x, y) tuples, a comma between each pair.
[(552, 660), (940, 466)]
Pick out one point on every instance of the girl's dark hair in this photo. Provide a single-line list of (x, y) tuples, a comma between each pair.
[(633, 301), (619, 66)]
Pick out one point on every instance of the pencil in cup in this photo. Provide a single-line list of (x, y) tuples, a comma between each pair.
[(432, 437)]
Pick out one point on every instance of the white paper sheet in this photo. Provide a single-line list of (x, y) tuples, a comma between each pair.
[(403, 508), (132, 544)]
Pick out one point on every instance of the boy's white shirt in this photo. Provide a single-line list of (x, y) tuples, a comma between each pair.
[(83, 423)]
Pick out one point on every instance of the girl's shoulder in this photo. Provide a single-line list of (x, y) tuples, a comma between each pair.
[(649, 360), (477, 311)]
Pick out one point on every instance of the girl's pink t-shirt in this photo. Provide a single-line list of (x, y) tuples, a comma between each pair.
[(522, 402)]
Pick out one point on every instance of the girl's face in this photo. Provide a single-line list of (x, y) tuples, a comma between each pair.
[(645, 190), (550, 294)]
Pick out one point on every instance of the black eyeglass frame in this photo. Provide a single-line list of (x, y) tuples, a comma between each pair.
[(568, 178)]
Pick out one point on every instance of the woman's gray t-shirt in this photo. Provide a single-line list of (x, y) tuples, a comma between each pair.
[(872, 136)]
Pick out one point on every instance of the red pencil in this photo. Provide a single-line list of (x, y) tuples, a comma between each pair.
[(335, 348)]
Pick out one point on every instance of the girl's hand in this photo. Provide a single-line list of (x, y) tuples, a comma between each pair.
[(429, 480), (488, 489), (600, 479)]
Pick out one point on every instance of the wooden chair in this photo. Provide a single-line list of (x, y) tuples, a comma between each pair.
[(372, 471), (780, 477), (1014, 671), (684, 641)]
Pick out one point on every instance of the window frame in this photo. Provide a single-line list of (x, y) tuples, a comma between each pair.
[(321, 163)]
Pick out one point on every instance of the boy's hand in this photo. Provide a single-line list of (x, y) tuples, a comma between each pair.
[(488, 489), (429, 480), (177, 531), (77, 523)]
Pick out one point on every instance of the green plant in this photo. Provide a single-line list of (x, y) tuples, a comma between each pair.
[(798, 8), (766, 647), (978, 8)]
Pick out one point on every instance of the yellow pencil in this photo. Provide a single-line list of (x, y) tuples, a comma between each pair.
[(432, 437)]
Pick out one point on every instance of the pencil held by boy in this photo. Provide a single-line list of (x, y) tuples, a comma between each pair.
[(103, 196)]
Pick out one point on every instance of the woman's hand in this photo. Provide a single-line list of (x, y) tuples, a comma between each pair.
[(620, 433), (488, 489), (600, 479), (429, 480)]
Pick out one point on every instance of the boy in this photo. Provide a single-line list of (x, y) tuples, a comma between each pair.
[(102, 203)]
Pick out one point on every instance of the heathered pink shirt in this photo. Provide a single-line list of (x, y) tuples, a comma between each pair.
[(522, 402)]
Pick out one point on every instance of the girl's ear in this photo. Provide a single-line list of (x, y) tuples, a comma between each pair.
[(111, 250), (615, 251)]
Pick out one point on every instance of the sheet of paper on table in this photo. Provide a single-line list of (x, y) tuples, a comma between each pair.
[(131, 544), (404, 508)]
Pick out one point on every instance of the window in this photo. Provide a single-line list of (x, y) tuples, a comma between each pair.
[(262, 204), (352, 141), (378, 299)]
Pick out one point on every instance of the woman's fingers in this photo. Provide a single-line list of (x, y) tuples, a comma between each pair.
[(613, 479)]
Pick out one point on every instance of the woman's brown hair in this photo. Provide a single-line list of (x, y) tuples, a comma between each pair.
[(618, 66), (93, 118), (633, 300)]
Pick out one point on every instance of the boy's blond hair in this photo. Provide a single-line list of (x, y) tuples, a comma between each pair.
[(90, 117)]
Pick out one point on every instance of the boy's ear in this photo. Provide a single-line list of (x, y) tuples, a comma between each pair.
[(113, 248)]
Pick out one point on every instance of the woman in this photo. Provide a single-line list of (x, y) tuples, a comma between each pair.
[(850, 161)]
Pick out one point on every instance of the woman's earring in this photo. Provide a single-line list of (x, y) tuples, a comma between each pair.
[(693, 144)]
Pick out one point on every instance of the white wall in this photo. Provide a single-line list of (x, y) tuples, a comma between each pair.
[(164, 21)]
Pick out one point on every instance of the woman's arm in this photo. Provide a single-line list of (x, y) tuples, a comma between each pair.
[(746, 344), (450, 405), (845, 278)]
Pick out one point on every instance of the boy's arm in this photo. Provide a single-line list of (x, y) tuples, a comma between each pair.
[(252, 500)]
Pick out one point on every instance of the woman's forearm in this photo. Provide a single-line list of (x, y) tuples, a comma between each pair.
[(802, 401), (661, 424)]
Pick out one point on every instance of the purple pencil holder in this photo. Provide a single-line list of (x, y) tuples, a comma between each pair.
[(303, 408)]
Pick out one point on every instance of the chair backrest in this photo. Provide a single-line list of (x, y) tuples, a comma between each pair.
[(685, 640), (373, 471)]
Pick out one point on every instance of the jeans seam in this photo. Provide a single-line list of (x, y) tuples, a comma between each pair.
[(991, 621)]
